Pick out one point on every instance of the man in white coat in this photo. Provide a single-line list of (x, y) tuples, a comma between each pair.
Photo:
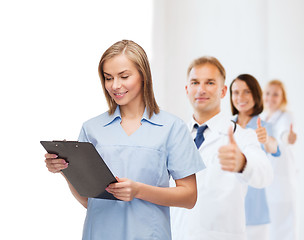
[(232, 155)]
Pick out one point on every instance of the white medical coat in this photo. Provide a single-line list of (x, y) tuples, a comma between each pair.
[(219, 213), (282, 193)]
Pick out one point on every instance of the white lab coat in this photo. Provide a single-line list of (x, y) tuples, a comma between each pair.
[(282, 193), (219, 213)]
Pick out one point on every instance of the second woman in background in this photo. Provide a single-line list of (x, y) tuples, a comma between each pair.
[(281, 194), (246, 105)]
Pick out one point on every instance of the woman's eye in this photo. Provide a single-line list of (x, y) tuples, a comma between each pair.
[(124, 77), (107, 78)]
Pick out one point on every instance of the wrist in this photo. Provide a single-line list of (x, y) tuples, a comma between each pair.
[(138, 192), (267, 139)]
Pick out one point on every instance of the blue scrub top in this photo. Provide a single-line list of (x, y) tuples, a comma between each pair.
[(161, 147), (256, 207)]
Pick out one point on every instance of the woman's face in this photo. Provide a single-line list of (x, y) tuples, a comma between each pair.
[(123, 82), (242, 97), (273, 97)]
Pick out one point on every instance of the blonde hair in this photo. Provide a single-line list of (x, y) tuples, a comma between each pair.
[(138, 56), (278, 83), (204, 60)]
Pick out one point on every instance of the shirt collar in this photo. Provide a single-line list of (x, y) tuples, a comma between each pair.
[(113, 117), (273, 118), (234, 118), (252, 122), (116, 115), (213, 123), (153, 120)]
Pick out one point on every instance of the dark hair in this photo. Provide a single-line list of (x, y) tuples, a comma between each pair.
[(138, 56), (256, 92)]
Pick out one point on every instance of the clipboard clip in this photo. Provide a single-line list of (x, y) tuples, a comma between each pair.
[(64, 140)]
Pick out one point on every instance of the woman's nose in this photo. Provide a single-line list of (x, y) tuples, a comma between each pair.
[(241, 95), (116, 84)]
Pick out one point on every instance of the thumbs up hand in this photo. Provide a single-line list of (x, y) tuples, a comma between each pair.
[(231, 157), (292, 136), (261, 132)]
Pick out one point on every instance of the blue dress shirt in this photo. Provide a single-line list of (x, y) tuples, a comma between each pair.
[(161, 147), (256, 207)]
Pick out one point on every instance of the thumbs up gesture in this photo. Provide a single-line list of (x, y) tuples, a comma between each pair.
[(261, 132), (292, 136), (231, 157)]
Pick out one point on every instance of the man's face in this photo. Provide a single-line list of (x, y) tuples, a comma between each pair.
[(205, 89)]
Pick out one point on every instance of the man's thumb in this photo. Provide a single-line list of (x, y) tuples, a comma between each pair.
[(230, 135)]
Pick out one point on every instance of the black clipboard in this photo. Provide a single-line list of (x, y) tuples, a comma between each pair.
[(87, 171)]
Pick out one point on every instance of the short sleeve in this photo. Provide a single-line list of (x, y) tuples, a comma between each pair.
[(183, 157), (82, 136)]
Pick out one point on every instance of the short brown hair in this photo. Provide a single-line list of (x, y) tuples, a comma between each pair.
[(207, 59), (256, 92), (138, 56), (284, 95)]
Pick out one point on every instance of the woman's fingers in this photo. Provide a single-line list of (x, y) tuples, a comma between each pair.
[(124, 190), (55, 165), (50, 155)]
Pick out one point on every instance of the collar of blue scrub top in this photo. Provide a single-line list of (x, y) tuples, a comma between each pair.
[(235, 118), (252, 122), (116, 115)]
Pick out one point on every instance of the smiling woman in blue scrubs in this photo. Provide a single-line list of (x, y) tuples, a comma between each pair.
[(246, 105), (143, 146)]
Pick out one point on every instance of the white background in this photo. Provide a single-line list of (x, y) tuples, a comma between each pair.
[(49, 53)]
